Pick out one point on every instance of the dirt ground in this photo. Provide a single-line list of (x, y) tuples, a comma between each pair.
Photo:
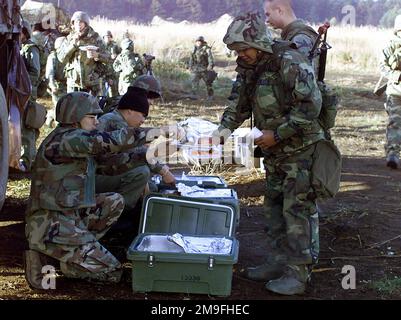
[(356, 228)]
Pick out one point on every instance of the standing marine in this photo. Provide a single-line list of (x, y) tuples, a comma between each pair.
[(129, 65), (281, 93), (390, 66), (200, 63)]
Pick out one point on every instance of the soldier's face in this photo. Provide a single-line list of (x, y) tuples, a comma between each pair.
[(89, 122), (250, 55), (273, 14), (198, 43), (79, 26), (107, 39), (134, 118)]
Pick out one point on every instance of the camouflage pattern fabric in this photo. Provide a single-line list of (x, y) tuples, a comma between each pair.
[(115, 121), (390, 66), (114, 50), (303, 36), (72, 238), (83, 73), (65, 218), (130, 66), (197, 76), (290, 209), (285, 99), (57, 82), (201, 59), (31, 56), (393, 134)]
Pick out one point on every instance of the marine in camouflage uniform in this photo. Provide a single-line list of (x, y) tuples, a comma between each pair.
[(65, 218), (31, 56), (129, 182), (129, 65), (114, 51), (390, 66), (56, 77), (201, 61), (84, 68), (284, 98)]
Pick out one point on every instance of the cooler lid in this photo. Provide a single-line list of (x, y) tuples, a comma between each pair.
[(188, 216)]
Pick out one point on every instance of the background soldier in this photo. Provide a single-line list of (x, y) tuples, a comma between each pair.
[(290, 132), (114, 51), (56, 76), (391, 68), (280, 15), (201, 61), (129, 64), (30, 53), (65, 218), (84, 55)]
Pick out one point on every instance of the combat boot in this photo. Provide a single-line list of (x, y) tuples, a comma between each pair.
[(71, 271), (34, 262), (292, 282), (393, 161), (265, 272)]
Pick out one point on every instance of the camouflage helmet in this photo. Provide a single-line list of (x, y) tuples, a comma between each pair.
[(72, 107), (59, 41), (249, 31), (127, 44), (150, 84), (397, 23), (200, 38), (28, 29), (108, 34), (81, 16)]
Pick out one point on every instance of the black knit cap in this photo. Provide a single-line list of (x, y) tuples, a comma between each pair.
[(135, 99)]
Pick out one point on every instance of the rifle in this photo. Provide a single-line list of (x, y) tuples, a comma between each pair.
[(321, 51), (380, 89)]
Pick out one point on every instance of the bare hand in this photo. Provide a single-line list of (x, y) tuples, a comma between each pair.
[(167, 176), (267, 140)]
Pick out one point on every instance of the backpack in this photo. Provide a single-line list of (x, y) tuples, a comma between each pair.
[(330, 100)]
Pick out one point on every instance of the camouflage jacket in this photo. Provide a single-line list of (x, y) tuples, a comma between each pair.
[(114, 121), (113, 49), (390, 66), (83, 72), (129, 65), (31, 56), (301, 34), (201, 59), (55, 74), (64, 172), (285, 99)]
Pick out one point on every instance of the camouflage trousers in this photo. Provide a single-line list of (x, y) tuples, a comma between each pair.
[(197, 76), (393, 109), (290, 209), (72, 238), (130, 185), (29, 136), (56, 95)]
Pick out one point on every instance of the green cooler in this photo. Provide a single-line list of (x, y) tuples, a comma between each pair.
[(161, 265)]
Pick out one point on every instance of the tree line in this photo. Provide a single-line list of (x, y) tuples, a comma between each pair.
[(367, 12)]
